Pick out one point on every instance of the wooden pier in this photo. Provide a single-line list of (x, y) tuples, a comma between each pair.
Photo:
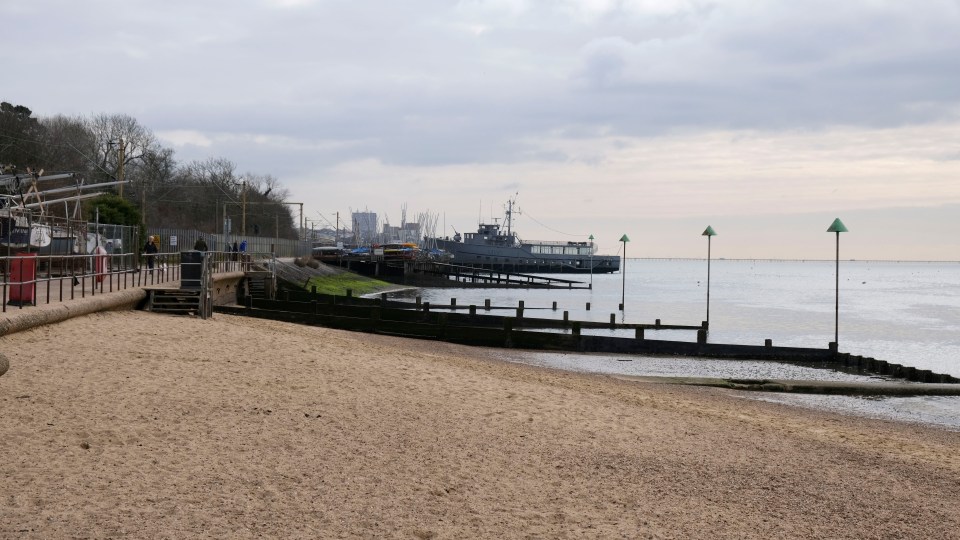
[(477, 276), (436, 274)]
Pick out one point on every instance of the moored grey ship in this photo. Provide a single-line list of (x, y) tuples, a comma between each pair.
[(492, 248)]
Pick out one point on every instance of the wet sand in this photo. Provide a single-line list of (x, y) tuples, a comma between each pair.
[(144, 425)]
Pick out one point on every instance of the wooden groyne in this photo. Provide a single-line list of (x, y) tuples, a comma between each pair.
[(420, 320)]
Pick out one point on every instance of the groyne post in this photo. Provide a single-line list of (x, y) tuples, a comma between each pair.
[(638, 333), (486, 304)]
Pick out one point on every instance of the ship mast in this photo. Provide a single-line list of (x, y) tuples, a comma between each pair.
[(509, 214)]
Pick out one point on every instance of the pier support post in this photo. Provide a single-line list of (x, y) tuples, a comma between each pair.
[(701, 337), (441, 325), (910, 373)]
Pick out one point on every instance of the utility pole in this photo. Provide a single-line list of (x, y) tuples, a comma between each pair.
[(243, 219), (120, 166), (143, 200)]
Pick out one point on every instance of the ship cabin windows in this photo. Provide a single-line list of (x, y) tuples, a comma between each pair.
[(571, 248)]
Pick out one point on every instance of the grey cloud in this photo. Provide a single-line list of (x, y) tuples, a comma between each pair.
[(430, 82)]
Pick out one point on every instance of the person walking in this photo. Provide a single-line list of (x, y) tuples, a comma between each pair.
[(200, 245), (151, 251)]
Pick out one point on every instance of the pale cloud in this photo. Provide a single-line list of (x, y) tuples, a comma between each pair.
[(179, 138)]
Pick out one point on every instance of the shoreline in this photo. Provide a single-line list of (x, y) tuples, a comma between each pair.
[(136, 423)]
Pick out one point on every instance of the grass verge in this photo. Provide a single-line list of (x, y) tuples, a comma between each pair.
[(339, 283)]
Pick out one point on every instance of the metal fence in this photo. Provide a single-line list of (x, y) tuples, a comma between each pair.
[(34, 279), (185, 239)]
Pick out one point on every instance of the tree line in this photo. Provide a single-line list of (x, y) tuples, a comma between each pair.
[(158, 190)]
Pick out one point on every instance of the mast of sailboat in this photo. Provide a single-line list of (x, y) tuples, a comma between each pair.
[(509, 214)]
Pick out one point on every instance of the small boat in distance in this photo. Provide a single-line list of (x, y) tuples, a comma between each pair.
[(491, 248)]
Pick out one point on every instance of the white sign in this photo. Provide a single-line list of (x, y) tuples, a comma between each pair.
[(173, 241)]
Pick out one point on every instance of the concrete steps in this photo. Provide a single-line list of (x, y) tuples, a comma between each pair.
[(174, 301)]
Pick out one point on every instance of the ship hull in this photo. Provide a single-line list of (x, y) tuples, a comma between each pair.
[(520, 259)]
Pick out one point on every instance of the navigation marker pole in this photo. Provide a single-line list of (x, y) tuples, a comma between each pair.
[(709, 233), (591, 262), (837, 227), (623, 270)]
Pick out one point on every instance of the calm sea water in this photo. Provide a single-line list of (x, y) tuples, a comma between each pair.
[(903, 312)]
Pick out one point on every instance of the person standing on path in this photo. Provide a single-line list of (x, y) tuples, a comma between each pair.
[(151, 250)]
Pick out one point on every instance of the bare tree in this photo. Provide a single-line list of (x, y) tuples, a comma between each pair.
[(119, 130), (68, 145)]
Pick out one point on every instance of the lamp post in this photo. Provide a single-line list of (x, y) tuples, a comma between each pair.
[(623, 270), (837, 227), (709, 233), (591, 262)]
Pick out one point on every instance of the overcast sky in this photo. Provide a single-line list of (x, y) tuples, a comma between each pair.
[(764, 119)]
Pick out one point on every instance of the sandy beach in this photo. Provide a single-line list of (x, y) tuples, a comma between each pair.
[(139, 425)]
